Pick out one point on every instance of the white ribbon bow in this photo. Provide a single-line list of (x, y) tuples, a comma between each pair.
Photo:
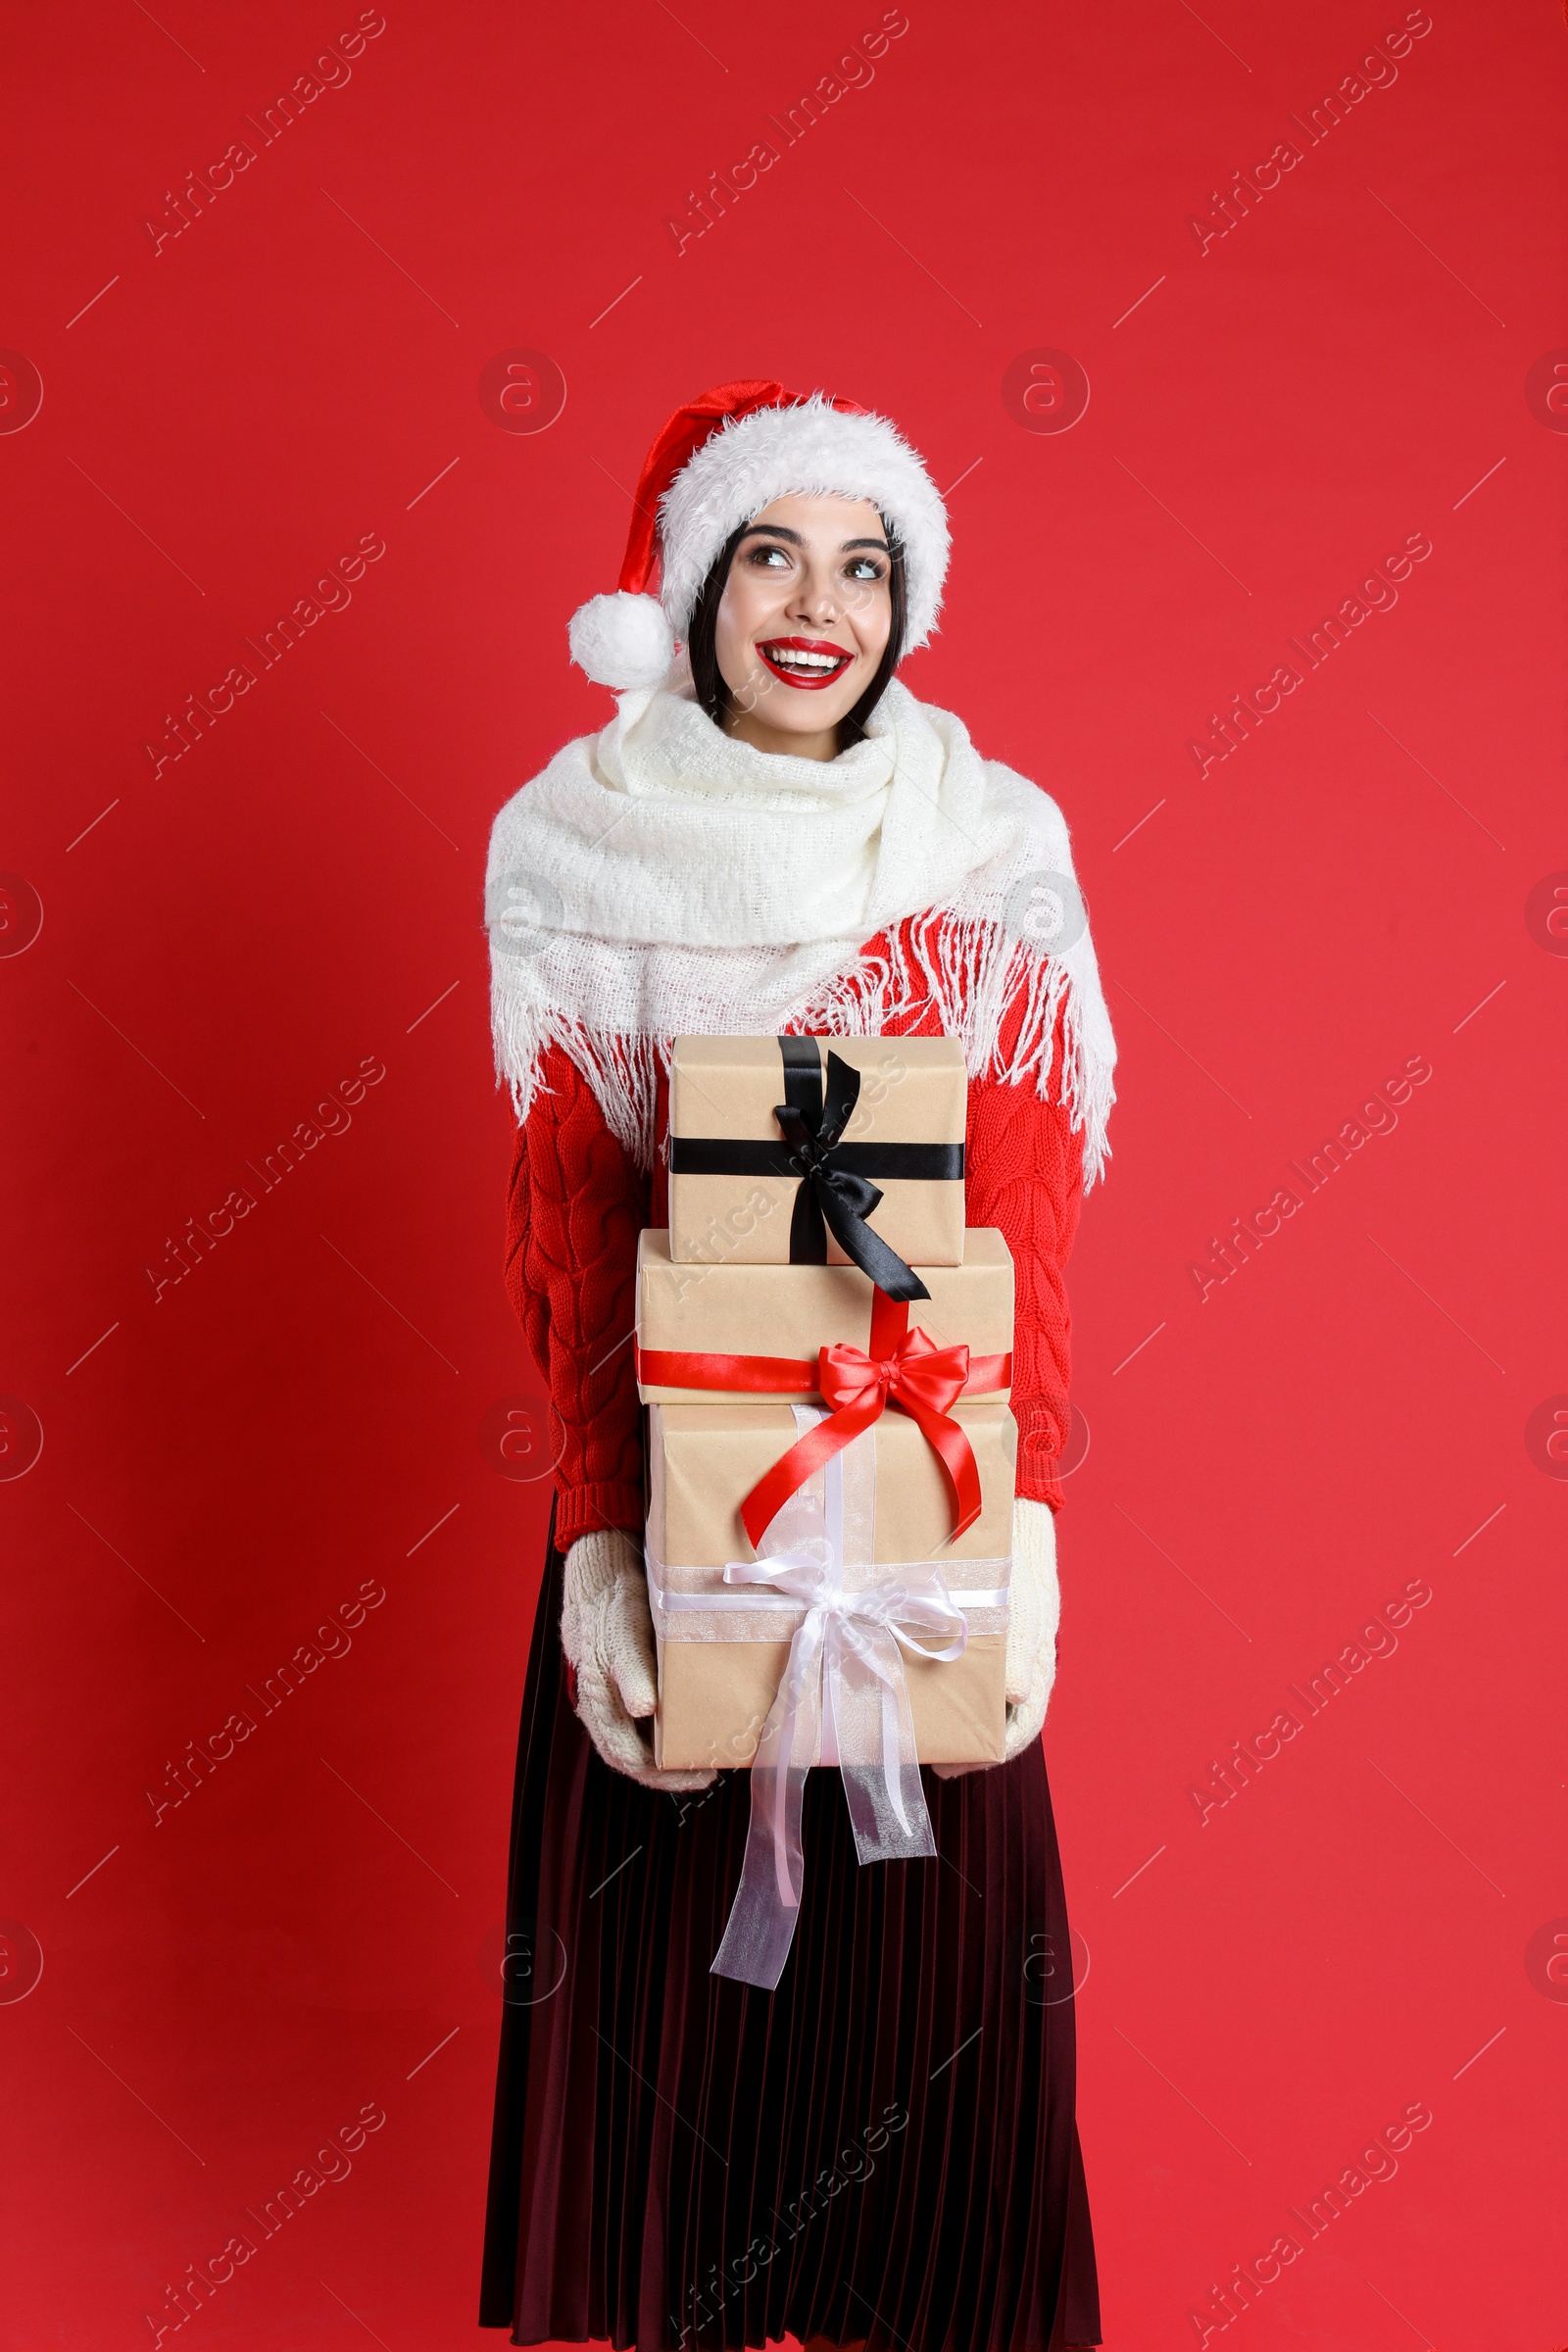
[(843, 1698)]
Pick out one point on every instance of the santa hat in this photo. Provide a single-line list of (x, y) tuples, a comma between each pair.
[(718, 463)]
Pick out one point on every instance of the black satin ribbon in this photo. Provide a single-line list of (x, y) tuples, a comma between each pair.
[(835, 1194), (747, 1156)]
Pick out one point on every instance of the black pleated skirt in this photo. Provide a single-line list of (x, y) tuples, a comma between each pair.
[(882, 2150)]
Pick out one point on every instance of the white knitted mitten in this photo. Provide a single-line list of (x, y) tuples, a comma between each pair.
[(1034, 1614), (1034, 1610), (607, 1633)]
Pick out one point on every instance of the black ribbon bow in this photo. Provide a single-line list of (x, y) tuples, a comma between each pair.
[(832, 1197)]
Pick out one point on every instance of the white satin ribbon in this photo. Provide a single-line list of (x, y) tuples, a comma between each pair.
[(843, 1698)]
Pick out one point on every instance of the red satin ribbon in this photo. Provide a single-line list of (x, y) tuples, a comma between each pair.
[(754, 1375), (780, 1375), (904, 1369), (786, 1375)]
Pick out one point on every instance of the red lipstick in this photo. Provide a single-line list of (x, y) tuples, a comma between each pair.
[(823, 665)]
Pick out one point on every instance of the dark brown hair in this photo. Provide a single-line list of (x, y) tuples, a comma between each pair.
[(712, 693)]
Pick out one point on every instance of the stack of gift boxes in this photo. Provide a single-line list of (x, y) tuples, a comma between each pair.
[(818, 1333)]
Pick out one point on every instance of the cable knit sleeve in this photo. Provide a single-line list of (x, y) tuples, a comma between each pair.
[(576, 1209), (1026, 1174)]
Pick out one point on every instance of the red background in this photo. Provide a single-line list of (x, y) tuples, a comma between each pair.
[(302, 890)]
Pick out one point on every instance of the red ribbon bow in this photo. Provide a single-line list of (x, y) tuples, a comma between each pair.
[(906, 1370)]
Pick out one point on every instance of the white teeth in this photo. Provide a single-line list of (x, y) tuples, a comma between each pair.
[(794, 658)]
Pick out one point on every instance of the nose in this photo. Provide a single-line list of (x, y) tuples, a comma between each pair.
[(814, 601)]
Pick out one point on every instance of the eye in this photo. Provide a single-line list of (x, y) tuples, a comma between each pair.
[(772, 556), (864, 567)]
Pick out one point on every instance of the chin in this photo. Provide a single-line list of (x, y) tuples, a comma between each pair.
[(810, 721), (802, 711)]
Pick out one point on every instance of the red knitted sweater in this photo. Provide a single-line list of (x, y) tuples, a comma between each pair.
[(578, 1204)]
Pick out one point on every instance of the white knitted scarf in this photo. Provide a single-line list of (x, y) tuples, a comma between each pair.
[(662, 879)]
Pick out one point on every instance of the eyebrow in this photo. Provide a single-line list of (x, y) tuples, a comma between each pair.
[(780, 530)]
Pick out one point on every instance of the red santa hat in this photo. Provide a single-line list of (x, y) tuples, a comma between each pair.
[(719, 462)]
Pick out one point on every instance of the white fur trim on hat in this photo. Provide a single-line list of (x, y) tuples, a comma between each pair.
[(621, 641), (811, 451)]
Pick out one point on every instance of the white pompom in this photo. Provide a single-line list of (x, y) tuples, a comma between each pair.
[(621, 641)]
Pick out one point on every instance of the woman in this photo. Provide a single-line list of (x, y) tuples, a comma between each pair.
[(773, 835)]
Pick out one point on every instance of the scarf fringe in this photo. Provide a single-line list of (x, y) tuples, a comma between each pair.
[(967, 970)]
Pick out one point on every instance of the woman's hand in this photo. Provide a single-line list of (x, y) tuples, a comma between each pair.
[(1034, 1611), (607, 1633)]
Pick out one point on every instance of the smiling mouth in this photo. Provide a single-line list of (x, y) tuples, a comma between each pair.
[(806, 662)]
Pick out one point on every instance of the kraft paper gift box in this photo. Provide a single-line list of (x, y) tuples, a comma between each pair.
[(719, 1669), (786, 1313), (732, 1187)]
